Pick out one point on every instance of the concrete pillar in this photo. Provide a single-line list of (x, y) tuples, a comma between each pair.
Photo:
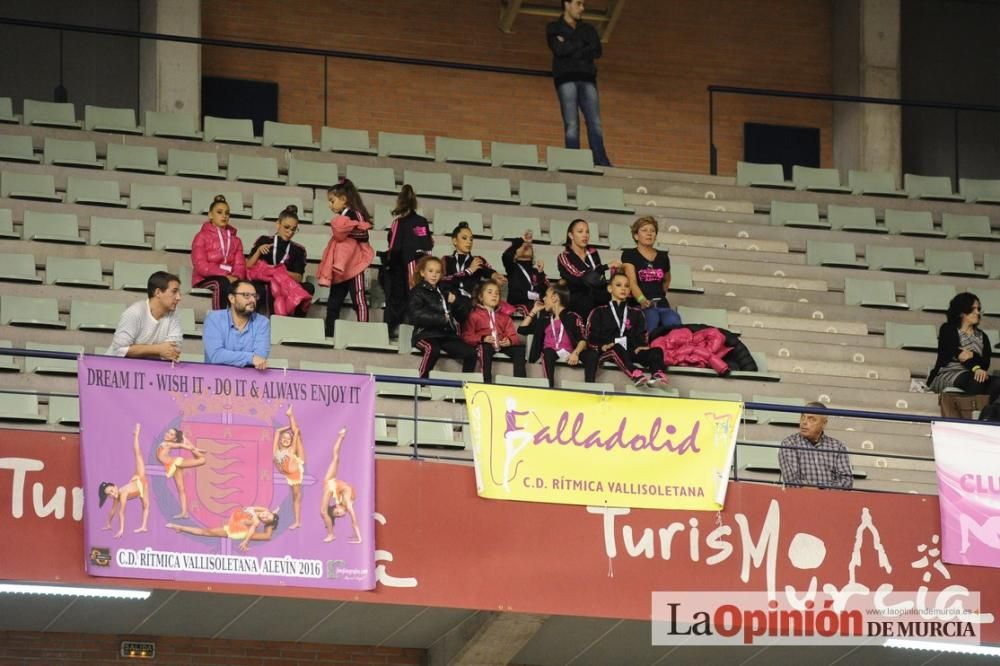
[(170, 72), (866, 62)]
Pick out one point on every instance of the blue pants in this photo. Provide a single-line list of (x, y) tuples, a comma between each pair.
[(660, 315), (582, 96)]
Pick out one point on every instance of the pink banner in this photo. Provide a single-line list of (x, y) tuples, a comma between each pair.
[(217, 474), (967, 456)]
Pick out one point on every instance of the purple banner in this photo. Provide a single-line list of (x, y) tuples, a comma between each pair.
[(217, 474)]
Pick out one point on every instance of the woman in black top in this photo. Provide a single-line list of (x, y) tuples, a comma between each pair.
[(526, 281), (648, 271), (463, 271), (581, 268), (277, 265), (409, 239), (964, 351)]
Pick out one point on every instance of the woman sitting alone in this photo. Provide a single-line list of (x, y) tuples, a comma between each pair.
[(964, 351)]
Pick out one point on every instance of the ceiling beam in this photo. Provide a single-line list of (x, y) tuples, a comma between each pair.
[(605, 20), (486, 639)]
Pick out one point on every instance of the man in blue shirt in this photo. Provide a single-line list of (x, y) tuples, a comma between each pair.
[(238, 336)]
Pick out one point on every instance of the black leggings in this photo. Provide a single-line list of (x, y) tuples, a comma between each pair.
[(652, 359), (220, 286), (486, 352), (549, 358), (338, 293), (991, 387), (431, 348)]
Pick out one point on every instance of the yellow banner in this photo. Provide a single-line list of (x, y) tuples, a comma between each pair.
[(563, 447)]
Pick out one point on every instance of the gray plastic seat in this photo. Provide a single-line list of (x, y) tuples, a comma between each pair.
[(929, 297), (133, 276), (201, 200), (914, 337), (990, 301), (7, 225), (932, 188), (269, 206), (980, 191), (17, 148), (432, 185), (459, 151), (507, 228), (286, 135), (169, 125), (911, 223), (74, 272), (515, 155), (140, 159), (893, 258), (52, 366), (7, 111), (818, 180), (709, 316), (157, 197), (38, 187), (353, 141), (117, 232), (958, 263), (98, 317), (174, 237), (445, 220), (750, 174), (873, 183), (775, 418), (230, 130), (363, 336), (326, 366), (27, 311), (381, 180), (18, 267), (681, 280), (20, 407), (967, 227), (91, 192), (544, 195), (52, 227), (193, 164), (602, 199), (50, 114), (789, 214), (991, 264), (108, 119), (299, 332), (81, 154), (305, 173), (832, 253), (488, 190), (872, 294), (254, 169), (314, 244), (853, 218), (571, 160), (408, 146), (64, 410)]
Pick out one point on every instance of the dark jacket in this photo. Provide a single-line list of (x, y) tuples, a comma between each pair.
[(458, 281), (409, 239), (426, 312), (573, 58), (571, 322), (602, 329), (948, 350), (518, 285)]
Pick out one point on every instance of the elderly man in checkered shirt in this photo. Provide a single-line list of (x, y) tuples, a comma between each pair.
[(810, 457)]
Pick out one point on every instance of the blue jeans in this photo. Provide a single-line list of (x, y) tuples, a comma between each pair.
[(660, 315), (582, 95)]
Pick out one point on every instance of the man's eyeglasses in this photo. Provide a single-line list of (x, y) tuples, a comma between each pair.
[(249, 295)]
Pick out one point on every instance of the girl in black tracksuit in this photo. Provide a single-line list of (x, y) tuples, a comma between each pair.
[(557, 334), (526, 281), (432, 312), (409, 239), (463, 271), (618, 332)]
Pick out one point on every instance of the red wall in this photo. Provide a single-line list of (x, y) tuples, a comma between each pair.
[(653, 75)]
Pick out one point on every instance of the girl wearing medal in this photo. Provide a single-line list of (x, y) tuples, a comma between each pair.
[(279, 265), (557, 333), (526, 281), (463, 271), (432, 313), (491, 332), (217, 255)]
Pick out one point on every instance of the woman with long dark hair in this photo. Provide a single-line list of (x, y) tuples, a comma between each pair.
[(964, 351)]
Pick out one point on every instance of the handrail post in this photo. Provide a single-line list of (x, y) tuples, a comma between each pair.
[(713, 156), (416, 420)]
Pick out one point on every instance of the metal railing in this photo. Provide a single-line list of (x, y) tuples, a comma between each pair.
[(955, 108), (428, 452)]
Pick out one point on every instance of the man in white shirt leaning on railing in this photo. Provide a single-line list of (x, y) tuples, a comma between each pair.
[(151, 327)]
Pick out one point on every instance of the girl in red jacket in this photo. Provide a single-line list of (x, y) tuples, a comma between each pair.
[(348, 255), (492, 332), (217, 254)]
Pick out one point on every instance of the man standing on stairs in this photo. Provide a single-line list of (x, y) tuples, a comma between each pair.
[(575, 45), (810, 457)]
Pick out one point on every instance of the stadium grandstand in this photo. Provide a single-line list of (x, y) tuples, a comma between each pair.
[(824, 174)]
